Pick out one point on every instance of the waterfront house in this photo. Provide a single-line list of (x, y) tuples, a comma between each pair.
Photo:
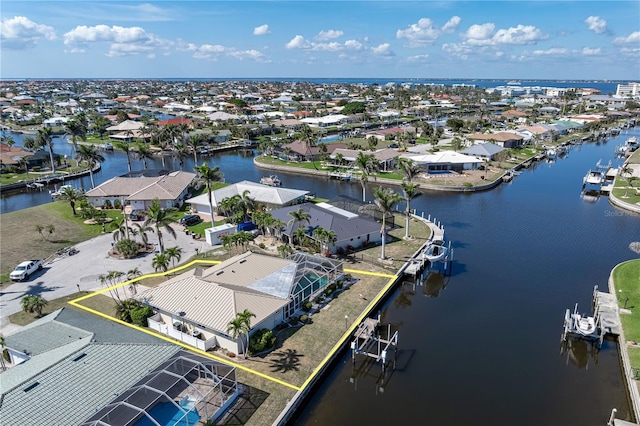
[(109, 370), (483, 150), (350, 228), (271, 288), (386, 157), (139, 192), (445, 160), (503, 139), (267, 196)]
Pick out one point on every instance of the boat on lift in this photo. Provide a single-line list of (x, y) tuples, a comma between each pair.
[(272, 180), (595, 178), (435, 251), (580, 324)]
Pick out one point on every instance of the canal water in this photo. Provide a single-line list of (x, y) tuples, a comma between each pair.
[(483, 345)]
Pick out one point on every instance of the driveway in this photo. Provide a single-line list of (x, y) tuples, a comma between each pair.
[(65, 275)]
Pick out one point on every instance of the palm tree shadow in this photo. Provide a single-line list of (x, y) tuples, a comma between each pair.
[(288, 360)]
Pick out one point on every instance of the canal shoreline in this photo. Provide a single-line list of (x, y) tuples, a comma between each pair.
[(627, 373), (300, 397)]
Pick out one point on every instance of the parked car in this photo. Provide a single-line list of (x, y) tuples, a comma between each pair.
[(24, 269), (190, 220)]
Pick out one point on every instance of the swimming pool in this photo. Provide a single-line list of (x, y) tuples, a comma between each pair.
[(331, 138), (167, 414), (441, 172)]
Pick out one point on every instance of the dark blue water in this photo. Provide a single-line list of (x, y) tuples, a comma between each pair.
[(482, 346)]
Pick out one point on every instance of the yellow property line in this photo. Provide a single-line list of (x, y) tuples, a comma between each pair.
[(316, 371)]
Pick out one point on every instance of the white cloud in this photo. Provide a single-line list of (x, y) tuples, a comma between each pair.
[(451, 24), (419, 34), (261, 30), (298, 42), (103, 33), (383, 50), (588, 51), (596, 24), (479, 34), (209, 51), (353, 45), (631, 52), (328, 35), (484, 35), (418, 58), (633, 38), (126, 49), (554, 51), (20, 32), (249, 55)]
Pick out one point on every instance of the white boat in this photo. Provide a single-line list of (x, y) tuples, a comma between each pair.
[(508, 176), (59, 191), (552, 153), (436, 251), (632, 143), (580, 324), (272, 180), (593, 177)]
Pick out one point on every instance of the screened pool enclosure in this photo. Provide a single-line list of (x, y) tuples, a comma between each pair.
[(182, 391)]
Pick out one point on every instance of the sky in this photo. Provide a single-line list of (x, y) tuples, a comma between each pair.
[(579, 40)]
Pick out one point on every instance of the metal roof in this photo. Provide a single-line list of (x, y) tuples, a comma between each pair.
[(209, 304), (75, 387)]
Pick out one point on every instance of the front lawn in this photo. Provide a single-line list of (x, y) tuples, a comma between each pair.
[(626, 278)]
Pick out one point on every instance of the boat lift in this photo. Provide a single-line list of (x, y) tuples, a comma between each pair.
[(368, 341)]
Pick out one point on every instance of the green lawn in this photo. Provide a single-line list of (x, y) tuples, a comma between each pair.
[(626, 279), (19, 239)]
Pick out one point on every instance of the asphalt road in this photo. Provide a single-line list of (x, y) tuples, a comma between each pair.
[(66, 274)]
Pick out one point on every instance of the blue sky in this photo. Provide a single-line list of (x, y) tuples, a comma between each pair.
[(321, 39)]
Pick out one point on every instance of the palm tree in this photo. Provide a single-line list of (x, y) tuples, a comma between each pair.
[(385, 199), (142, 229), (122, 232), (408, 168), (72, 196), (90, 154), (2, 343), (193, 143), (245, 317), (367, 164), (410, 190), (173, 253), (160, 262), (325, 238), (45, 138), (33, 304), (236, 328), (309, 140), (247, 204), (625, 173), (297, 217), (143, 153), (132, 274), (160, 218), (124, 146), (209, 175), (76, 129)]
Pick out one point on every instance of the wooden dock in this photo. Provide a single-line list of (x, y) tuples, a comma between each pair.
[(605, 306)]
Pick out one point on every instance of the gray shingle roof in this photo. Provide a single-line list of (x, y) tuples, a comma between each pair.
[(345, 226)]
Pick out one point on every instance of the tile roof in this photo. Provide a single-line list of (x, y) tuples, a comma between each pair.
[(166, 187)]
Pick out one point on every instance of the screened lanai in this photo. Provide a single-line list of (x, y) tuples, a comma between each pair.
[(183, 390), (313, 274)]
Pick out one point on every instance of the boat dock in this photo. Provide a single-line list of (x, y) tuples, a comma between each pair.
[(605, 320), (417, 264), (368, 341), (606, 307)]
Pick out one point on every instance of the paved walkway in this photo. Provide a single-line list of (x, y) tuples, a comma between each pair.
[(65, 275)]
